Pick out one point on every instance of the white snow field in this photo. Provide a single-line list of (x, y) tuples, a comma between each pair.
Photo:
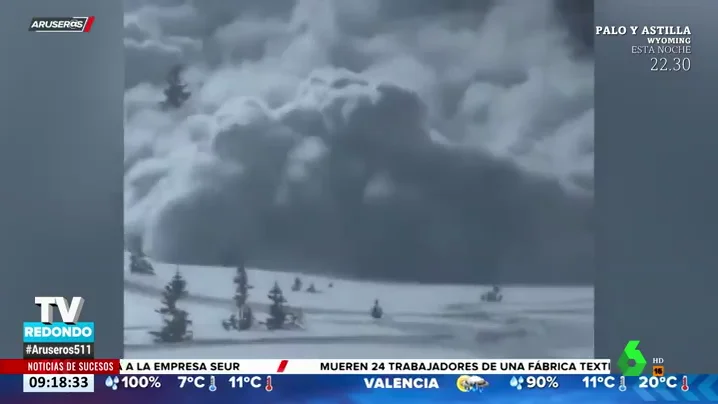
[(421, 321)]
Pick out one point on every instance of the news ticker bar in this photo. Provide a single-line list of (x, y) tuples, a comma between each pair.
[(58, 351), (302, 366), (609, 388)]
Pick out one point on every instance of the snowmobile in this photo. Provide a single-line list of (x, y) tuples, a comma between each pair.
[(241, 323), (140, 265), (493, 296), (230, 323), (295, 319)]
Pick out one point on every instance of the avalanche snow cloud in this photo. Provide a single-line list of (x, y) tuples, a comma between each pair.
[(417, 140)]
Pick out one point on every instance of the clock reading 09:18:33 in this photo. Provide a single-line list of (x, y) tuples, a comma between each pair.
[(58, 383)]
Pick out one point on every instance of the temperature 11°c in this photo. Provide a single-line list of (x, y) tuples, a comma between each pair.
[(238, 382), (592, 382)]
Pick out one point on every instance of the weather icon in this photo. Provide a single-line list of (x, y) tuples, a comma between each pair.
[(467, 384)]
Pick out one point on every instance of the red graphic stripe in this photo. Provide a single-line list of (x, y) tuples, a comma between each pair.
[(88, 26), (282, 366)]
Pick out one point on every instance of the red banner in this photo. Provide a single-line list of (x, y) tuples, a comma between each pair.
[(59, 366)]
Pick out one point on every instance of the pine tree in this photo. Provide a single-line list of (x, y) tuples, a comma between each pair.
[(376, 311), (278, 310), (297, 285), (312, 289), (176, 92), (175, 321), (241, 280), (176, 327), (175, 290), (243, 318)]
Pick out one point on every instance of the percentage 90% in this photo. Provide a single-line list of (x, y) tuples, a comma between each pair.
[(133, 382), (541, 382)]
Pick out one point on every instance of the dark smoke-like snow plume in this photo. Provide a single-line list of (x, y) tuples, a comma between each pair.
[(417, 140)]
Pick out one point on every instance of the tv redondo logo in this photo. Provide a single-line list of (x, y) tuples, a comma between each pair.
[(58, 332), (68, 330)]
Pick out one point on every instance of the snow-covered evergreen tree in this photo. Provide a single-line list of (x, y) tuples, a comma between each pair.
[(312, 289), (175, 327), (376, 311), (243, 318), (297, 285), (241, 290), (278, 310), (176, 92), (175, 320), (174, 290)]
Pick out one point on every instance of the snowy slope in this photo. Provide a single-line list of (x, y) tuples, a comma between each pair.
[(427, 321)]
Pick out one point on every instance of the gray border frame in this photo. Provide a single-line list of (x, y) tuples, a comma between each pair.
[(656, 193), (61, 163)]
